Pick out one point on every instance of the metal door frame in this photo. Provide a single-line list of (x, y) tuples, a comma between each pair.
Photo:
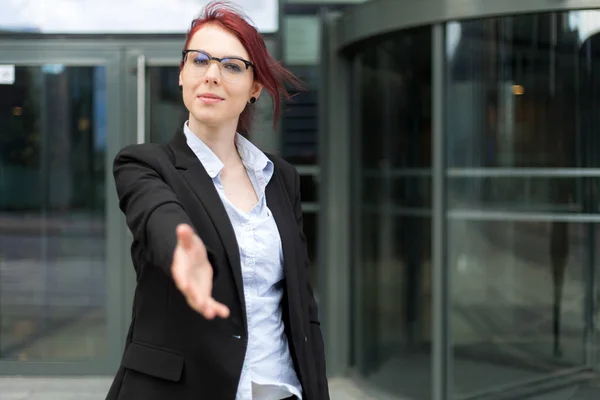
[(38, 52)]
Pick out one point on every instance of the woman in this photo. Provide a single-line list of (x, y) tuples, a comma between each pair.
[(223, 307)]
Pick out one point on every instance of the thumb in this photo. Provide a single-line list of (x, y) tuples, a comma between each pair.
[(185, 236)]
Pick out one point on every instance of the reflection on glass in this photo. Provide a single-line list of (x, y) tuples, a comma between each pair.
[(167, 112), (52, 214), (523, 155), (518, 299), (300, 120), (392, 243)]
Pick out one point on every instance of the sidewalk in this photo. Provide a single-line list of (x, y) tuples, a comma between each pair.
[(95, 388)]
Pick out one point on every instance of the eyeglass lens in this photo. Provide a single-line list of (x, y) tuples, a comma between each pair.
[(231, 68)]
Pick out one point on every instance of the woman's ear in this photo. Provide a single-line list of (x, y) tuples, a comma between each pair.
[(256, 90)]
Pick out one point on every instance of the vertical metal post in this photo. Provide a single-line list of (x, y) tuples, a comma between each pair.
[(334, 221), (360, 325), (441, 371), (141, 99)]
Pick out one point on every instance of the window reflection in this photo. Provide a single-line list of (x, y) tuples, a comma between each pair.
[(523, 153), (52, 214), (166, 110), (392, 271)]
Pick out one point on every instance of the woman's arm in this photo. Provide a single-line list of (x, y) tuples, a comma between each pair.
[(151, 208), (164, 230)]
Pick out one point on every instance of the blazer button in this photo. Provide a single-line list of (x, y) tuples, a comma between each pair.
[(305, 339)]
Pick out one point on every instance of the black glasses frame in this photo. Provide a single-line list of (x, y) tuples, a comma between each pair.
[(185, 52)]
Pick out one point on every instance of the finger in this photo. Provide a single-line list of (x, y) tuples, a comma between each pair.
[(179, 269), (221, 310), (213, 308), (209, 311), (202, 281)]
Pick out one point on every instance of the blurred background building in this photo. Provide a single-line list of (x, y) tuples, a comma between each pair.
[(450, 177)]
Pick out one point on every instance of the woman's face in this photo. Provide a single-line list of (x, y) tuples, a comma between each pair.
[(216, 93)]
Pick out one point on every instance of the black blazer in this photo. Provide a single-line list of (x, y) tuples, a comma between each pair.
[(171, 351)]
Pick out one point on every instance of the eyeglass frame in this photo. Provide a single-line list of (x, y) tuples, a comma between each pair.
[(184, 53)]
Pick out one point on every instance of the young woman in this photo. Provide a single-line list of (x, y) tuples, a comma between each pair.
[(223, 307)]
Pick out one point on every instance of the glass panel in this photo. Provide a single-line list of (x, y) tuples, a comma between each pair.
[(523, 195), (167, 113), (300, 118), (518, 298), (392, 272), (52, 214)]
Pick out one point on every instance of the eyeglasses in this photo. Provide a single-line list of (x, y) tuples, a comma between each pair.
[(231, 68)]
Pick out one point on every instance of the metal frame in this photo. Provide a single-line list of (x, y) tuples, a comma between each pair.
[(361, 23), (94, 53), (334, 222), (374, 18), (358, 297), (442, 373)]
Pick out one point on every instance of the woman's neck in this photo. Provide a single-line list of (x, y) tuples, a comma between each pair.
[(220, 139)]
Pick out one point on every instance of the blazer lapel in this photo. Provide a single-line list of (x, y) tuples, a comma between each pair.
[(279, 203), (196, 176)]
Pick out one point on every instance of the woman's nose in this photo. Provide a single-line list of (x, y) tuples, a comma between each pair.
[(213, 72)]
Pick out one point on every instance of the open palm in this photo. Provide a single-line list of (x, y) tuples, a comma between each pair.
[(193, 274)]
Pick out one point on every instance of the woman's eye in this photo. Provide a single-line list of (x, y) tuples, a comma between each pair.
[(233, 67)]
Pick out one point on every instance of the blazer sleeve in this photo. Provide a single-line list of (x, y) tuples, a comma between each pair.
[(316, 336), (151, 208)]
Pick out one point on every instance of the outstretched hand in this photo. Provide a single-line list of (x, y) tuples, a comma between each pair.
[(193, 274)]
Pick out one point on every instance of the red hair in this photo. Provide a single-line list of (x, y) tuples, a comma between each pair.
[(267, 71)]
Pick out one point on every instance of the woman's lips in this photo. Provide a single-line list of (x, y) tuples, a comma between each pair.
[(210, 99)]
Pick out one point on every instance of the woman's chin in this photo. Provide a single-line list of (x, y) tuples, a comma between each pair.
[(208, 119)]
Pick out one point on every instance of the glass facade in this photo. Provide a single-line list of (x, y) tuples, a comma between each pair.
[(166, 112), (521, 203), (52, 214), (522, 195), (392, 234)]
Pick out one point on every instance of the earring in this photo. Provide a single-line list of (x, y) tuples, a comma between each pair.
[(180, 87), (252, 100)]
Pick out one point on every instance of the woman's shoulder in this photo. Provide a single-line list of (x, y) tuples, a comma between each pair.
[(150, 153)]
